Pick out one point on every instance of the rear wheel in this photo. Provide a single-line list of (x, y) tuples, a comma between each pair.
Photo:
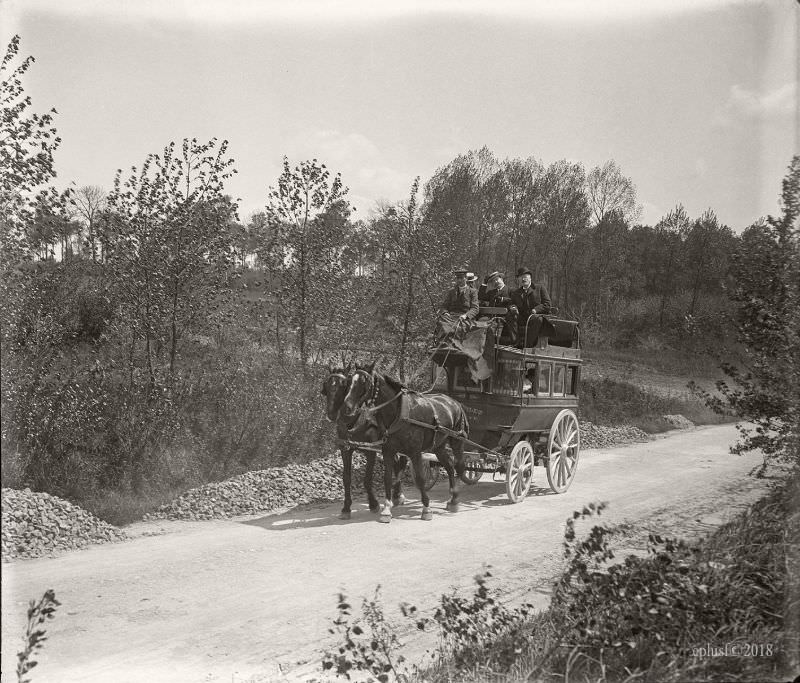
[(471, 476), (563, 449), (520, 471)]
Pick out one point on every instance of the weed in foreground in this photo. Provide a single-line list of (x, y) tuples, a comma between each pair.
[(38, 614), (368, 644), (468, 625)]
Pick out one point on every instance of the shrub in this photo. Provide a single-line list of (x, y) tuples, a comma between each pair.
[(38, 614)]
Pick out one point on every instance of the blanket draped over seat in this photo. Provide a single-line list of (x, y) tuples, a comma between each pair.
[(475, 340)]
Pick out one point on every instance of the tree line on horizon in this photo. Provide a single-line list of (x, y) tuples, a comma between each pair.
[(172, 343)]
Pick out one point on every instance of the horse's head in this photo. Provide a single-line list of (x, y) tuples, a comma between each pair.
[(362, 386), (334, 389)]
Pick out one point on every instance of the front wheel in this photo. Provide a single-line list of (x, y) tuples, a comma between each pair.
[(563, 449), (520, 471)]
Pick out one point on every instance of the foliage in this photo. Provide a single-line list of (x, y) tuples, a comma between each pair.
[(409, 299), (469, 625), (369, 644), (168, 248), (652, 617), (38, 614), (27, 140), (764, 383), (309, 213)]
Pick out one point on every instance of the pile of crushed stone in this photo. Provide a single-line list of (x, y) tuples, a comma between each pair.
[(262, 491), (678, 421), (597, 436), (37, 524)]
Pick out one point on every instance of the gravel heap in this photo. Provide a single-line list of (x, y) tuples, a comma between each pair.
[(261, 491), (36, 524), (678, 421), (597, 436)]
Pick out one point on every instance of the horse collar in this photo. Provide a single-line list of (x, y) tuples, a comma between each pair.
[(375, 390)]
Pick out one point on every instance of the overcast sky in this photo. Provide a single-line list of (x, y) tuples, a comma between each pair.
[(696, 100)]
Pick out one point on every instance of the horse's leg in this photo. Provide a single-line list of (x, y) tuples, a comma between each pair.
[(457, 446), (388, 475), (419, 479), (443, 457), (400, 463), (347, 476), (368, 483)]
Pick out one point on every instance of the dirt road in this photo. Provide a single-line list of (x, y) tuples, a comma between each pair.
[(231, 600)]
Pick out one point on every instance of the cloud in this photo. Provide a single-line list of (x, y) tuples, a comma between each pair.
[(362, 164), (748, 104), (782, 100)]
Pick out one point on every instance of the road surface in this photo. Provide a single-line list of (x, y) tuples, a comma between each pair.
[(252, 599)]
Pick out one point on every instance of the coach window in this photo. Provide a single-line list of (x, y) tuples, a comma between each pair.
[(570, 387), (506, 380), (545, 371), (558, 380)]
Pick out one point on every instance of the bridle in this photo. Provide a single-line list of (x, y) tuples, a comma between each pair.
[(368, 404)]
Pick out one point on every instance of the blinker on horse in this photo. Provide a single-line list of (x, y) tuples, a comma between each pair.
[(411, 424), (352, 430)]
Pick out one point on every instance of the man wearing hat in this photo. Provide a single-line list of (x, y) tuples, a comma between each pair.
[(462, 300), (527, 299), (494, 291)]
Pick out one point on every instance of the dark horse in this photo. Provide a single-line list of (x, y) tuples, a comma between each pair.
[(393, 405), (352, 430)]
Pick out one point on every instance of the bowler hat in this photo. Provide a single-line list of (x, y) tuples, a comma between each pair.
[(524, 271)]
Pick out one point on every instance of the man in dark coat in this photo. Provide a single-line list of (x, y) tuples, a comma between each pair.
[(494, 292), (462, 300), (527, 299)]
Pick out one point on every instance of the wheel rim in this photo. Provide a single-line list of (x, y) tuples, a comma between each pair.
[(563, 450), (520, 471)]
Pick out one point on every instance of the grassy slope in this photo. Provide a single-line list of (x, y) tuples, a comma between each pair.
[(639, 387)]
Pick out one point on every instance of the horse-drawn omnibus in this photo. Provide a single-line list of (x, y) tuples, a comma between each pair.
[(493, 408), (524, 413)]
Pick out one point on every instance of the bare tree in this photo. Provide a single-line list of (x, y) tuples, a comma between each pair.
[(607, 190), (90, 202)]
